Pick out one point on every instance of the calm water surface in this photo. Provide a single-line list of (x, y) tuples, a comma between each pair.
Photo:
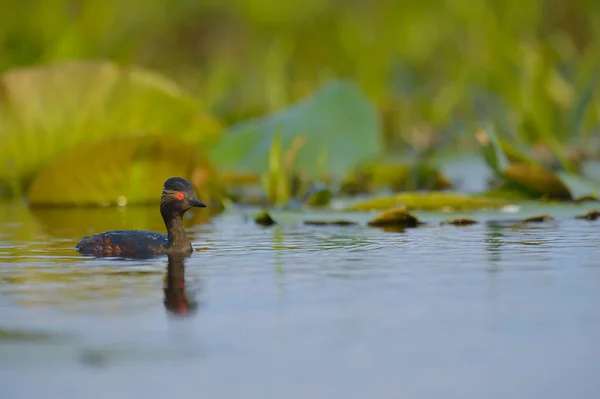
[(296, 311)]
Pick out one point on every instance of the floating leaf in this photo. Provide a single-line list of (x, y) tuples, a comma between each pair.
[(319, 197), (339, 126), (377, 204), (49, 109), (591, 215), (121, 170), (538, 180), (539, 219), (585, 198), (460, 222), (340, 222), (395, 217), (264, 219), (430, 201), (524, 177), (519, 223)]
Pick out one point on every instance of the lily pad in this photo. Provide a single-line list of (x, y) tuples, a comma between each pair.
[(521, 174), (517, 223), (395, 217), (537, 179), (49, 109), (120, 171), (319, 197), (586, 198), (340, 222), (591, 215), (430, 201), (264, 219), (539, 219), (460, 222), (338, 126)]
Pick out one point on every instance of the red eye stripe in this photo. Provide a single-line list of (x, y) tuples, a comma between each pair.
[(180, 196)]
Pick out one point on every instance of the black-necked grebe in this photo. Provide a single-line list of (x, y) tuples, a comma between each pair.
[(177, 198)]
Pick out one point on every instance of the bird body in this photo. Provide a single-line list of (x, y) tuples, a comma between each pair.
[(124, 243), (177, 198)]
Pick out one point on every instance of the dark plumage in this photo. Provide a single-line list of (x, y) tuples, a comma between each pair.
[(177, 198)]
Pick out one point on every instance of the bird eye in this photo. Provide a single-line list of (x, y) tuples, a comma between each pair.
[(180, 196)]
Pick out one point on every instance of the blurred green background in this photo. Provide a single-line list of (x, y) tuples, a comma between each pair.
[(435, 71)]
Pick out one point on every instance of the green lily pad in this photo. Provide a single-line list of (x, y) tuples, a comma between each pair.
[(395, 217), (586, 198), (430, 201), (516, 223), (538, 180), (264, 219), (591, 215), (52, 108), (460, 222), (521, 176), (538, 219), (319, 198), (338, 124), (339, 222), (122, 170)]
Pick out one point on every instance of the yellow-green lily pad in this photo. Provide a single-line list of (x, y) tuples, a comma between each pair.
[(319, 198), (539, 219), (460, 222), (538, 179), (586, 198), (340, 222), (395, 217), (443, 201), (591, 215), (264, 219), (122, 171), (46, 110)]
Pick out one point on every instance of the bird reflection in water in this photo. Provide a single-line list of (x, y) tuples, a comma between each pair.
[(178, 299)]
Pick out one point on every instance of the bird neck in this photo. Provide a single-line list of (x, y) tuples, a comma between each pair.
[(178, 240)]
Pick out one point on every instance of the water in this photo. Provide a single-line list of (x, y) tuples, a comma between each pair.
[(303, 311)]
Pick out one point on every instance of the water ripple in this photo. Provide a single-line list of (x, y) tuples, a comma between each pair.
[(444, 300)]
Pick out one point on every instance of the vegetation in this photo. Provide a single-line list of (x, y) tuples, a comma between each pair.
[(398, 217), (430, 201), (101, 101)]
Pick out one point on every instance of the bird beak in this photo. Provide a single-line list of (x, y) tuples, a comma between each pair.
[(197, 203)]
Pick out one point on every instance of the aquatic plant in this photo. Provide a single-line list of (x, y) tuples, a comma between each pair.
[(518, 175), (438, 201), (49, 110), (362, 85)]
